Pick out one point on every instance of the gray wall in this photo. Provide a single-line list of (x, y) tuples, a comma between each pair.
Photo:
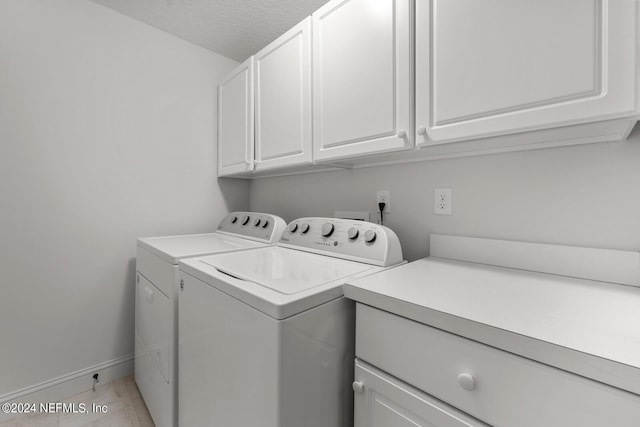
[(584, 195), (107, 130)]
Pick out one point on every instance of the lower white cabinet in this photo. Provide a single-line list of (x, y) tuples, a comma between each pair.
[(497, 387), (383, 401)]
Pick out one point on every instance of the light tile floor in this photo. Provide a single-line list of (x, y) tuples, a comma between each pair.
[(122, 398)]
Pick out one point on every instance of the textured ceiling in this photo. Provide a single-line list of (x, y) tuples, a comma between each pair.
[(234, 28)]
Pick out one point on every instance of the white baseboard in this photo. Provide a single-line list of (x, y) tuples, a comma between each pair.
[(60, 388)]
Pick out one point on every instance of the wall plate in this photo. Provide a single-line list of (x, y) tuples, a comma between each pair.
[(442, 201)]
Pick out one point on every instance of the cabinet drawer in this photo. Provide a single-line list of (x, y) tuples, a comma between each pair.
[(153, 323), (383, 401), (502, 389)]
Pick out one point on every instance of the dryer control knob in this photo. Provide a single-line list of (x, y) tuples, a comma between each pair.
[(265, 223), (370, 236), (234, 219), (257, 222), (327, 229), (293, 227), (304, 229), (353, 233), (245, 219)]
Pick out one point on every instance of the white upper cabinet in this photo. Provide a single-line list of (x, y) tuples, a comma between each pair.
[(235, 121), (283, 100), (362, 78), (378, 77), (495, 67)]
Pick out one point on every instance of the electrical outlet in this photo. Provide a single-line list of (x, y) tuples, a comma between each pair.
[(442, 201), (384, 196)]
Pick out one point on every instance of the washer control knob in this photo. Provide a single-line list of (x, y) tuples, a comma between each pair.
[(234, 219), (358, 387), (245, 219), (304, 229), (265, 223), (327, 229), (293, 227), (257, 222), (369, 236), (353, 233), (467, 382)]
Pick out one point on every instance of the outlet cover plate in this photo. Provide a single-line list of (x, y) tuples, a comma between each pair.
[(442, 201), (384, 196)]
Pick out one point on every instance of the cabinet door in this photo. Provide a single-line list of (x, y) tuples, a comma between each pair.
[(235, 121), (362, 78), (283, 100), (502, 66), (387, 402)]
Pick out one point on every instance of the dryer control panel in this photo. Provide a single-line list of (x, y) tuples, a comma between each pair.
[(343, 238), (253, 225)]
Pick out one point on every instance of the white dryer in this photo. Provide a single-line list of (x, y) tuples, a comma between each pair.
[(156, 312), (266, 336)]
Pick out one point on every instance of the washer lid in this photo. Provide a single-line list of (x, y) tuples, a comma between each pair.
[(172, 248), (285, 271)]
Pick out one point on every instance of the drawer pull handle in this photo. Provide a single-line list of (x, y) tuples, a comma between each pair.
[(402, 134), (467, 382), (422, 131), (358, 387)]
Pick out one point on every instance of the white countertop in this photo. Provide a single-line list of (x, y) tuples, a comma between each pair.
[(587, 327)]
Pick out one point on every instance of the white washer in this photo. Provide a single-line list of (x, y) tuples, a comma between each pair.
[(266, 336), (157, 293)]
